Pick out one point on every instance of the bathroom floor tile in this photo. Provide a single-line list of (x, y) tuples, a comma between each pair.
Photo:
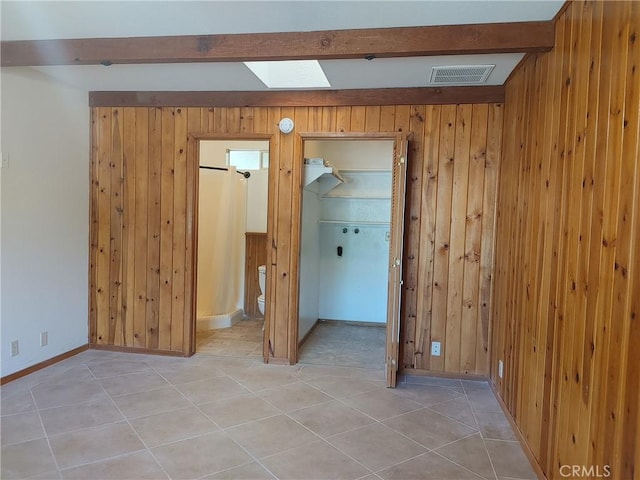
[(244, 339)]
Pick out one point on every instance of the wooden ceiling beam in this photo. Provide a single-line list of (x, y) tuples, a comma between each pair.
[(320, 45), (302, 98)]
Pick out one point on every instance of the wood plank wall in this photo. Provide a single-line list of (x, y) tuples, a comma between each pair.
[(143, 188), (255, 255), (566, 306)]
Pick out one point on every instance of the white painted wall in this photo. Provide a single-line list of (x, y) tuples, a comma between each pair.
[(44, 216), (346, 154), (309, 263), (213, 153), (351, 287)]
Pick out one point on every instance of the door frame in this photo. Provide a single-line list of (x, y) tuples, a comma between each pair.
[(193, 194), (394, 291)]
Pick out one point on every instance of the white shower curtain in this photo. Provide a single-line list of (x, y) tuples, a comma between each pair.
[(221, 225)]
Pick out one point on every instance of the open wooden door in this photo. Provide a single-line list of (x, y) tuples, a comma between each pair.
[(399, 181)]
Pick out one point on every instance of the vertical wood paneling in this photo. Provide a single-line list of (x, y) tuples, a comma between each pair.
[(443, 230), (153, 227), (255, 255), (167, 216), (141, 228), (179, 229), (566, 265), (103, 208), (422, 336), (160, 146), (94, 229), (128, 225), (412, 226)]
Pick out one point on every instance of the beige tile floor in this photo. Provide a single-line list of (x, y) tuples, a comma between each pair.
[(244, 339), (106, 415), (347, 345)]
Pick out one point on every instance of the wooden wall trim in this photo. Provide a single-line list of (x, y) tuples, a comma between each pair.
[(145, 351), (319, 45), (306, 98), (40, 365)]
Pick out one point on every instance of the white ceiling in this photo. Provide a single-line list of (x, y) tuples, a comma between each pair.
[(33, 20)]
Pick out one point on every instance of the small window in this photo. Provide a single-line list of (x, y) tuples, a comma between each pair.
[(248, 159)]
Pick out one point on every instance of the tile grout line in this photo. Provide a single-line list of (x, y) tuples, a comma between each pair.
[(46, 436), (222, 430), (146, 448), (475, 418)]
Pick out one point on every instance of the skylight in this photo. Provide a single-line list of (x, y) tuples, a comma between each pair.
[(290, 73)]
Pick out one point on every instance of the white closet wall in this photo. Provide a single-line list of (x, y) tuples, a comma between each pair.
[(353, 286)]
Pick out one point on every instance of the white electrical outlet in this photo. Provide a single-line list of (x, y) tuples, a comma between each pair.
[(500, 368), (44, 339), (435, 349), (15, 349)]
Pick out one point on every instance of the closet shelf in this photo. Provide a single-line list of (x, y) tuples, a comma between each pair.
[(359, 197), (355, 223), (321, 179)]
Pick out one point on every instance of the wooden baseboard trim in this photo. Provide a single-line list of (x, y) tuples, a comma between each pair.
[(454, 376), (39, 366), (523, 442), (138, 350)]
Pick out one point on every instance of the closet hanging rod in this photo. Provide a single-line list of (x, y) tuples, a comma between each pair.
[(244, 174)]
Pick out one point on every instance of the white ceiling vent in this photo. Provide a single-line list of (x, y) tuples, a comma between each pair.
[(460, 74)]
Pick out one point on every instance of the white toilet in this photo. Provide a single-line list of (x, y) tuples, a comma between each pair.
[(262, 278)]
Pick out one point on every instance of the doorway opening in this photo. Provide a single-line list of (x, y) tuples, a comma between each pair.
[(232, 201), (352, 215)]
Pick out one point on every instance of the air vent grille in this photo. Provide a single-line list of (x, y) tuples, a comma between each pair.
[(460, 74)]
